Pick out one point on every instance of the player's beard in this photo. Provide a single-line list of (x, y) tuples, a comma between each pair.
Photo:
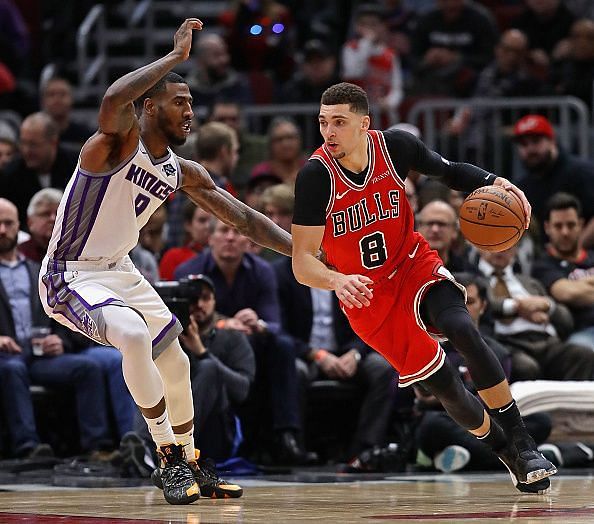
[(165, 125), (338, 156)]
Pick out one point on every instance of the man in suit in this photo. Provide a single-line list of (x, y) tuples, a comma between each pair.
[(42, 162), (532, 325), (20, 310)]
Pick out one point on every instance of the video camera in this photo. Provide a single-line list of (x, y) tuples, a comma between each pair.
[(179, 294)]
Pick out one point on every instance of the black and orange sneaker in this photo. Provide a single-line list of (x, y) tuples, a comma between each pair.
[(177, 478), (205, 474), (211, 485)]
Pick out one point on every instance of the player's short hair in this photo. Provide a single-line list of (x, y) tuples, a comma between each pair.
[(560, 201), (346, 93), (211, 138), (469, 279), (48, 195), (160, 86)]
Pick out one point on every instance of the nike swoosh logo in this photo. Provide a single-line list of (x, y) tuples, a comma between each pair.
[(505, 409), (159, 423), (340, 195), (412, 255), (487, 177)]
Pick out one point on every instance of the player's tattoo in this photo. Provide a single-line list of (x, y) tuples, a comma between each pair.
[(202, 190)]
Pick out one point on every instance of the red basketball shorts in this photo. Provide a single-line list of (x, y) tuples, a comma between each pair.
[(392, 324)]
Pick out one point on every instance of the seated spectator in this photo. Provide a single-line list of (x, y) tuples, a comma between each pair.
[(252, 147), (285, 155), (40, 358), (317, 71), (8, 144), (222, 368), (573, 72), (532, 325), (277, 203), (57, 101), (547, 169), (217, 150), (41, 217), (438, 436), (197, 229), (438, 223), (326, 343), (246, 292), (43, 163), (567, 269), (508, 75), (450, 45), (213, 75), (257, 186), (546, 24), (368, 61)]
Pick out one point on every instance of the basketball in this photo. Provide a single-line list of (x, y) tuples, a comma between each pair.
[(492, 218)]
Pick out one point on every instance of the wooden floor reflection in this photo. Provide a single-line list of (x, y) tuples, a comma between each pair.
[(421, 499)]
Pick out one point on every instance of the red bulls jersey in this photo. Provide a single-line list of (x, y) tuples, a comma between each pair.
[(369, 227)]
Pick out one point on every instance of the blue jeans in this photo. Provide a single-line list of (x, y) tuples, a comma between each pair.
[(61, 371), (584, 337), (122, 404)]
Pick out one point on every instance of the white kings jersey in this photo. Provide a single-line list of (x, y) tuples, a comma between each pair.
[(100, 215)]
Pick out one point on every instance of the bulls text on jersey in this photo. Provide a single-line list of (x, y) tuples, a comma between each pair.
[(365, 213)]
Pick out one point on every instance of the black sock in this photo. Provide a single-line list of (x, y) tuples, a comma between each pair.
[(509, 419), (494, 438)]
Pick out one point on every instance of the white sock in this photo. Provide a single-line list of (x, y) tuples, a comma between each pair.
[(187, 441), (160, 429)]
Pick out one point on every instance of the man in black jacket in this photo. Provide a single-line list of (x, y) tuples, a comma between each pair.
[(42, 163), (222, 368), (48, 364)]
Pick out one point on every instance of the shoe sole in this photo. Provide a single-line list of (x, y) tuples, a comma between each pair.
[(204, 492), (532, 477), (452, 458), (189, 500)]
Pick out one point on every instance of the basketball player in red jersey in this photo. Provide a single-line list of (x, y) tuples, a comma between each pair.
[(399, 298)]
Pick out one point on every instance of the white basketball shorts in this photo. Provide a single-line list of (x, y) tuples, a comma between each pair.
[(74, 293)]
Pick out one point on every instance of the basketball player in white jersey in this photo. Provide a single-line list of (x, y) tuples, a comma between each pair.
[(88, 283)]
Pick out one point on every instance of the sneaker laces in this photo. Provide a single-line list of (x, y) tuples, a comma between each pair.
[(177, 475), (209, 471)]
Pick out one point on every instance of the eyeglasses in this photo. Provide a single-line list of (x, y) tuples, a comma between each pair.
[(435, 223)]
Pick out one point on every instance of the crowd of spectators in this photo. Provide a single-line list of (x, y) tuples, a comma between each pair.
[(258, 340)]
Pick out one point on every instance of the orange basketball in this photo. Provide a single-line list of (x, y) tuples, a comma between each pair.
[(492, 218)]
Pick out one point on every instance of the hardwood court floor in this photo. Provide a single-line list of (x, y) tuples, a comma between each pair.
[(431, 499)]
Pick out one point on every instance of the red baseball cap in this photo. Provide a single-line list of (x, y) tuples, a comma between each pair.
[(533, 125)]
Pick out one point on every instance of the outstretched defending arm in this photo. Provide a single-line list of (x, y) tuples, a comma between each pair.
[(117, 136), (202, 190), (116, 113)]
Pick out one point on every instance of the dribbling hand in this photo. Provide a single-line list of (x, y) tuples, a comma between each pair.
[(182, 40), (352, 290), (508, 186)]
